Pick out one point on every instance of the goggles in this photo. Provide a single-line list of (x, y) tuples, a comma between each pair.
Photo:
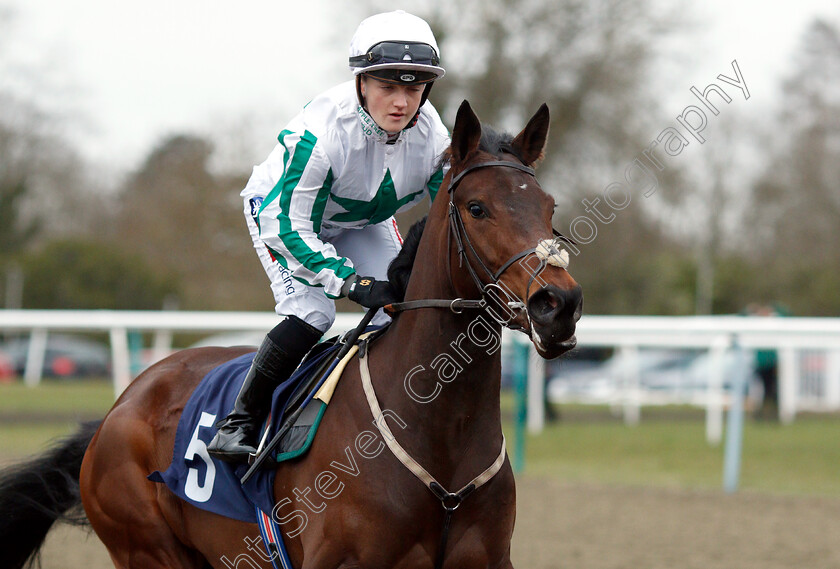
[(403, 76), (397, 52)]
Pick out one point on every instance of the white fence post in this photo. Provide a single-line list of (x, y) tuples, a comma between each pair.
[(536, 391), (161, 345), (788, 384), (630, 379), (35, 357), (832, 380), (714, 395)]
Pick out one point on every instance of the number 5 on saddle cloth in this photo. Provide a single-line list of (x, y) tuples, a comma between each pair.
[(297, 407)]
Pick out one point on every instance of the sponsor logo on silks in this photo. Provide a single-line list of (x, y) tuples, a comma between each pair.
[(407, 77), (289, 283), (256, 204)]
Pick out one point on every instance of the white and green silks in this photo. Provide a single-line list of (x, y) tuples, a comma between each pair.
[(335, 169)]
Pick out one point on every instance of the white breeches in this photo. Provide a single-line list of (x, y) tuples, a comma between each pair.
[(371, 249)]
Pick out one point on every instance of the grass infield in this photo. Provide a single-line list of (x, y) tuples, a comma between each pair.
[(671, 451)]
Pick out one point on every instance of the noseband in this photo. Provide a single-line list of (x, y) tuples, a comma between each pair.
[(548, 252)]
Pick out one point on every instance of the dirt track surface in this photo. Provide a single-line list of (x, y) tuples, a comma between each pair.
[(594, 527)]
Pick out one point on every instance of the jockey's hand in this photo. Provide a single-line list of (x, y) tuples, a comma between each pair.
[(369, 292)]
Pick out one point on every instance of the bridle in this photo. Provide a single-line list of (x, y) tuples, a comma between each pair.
[(548, 252)]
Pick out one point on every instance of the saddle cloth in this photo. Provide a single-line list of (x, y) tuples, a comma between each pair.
[(213, 485)]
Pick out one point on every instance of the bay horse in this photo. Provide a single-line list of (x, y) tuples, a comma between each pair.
[(436, 371)]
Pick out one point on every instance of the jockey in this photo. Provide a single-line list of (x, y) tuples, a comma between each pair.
[(321, 207)]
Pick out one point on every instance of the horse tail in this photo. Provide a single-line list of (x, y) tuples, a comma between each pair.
[(39, 492)]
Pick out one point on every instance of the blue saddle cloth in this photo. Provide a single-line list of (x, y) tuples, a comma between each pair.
[(212, 484)]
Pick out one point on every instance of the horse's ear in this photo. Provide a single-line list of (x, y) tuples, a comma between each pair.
[(467, 133), (531, 141)]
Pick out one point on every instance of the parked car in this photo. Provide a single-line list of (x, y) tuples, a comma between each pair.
[(66, 356), (7, 370), (681, 374)]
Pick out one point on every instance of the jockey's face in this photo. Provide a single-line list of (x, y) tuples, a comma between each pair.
[(391, 106)]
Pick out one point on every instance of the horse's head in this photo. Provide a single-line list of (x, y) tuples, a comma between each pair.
[(502, 241)]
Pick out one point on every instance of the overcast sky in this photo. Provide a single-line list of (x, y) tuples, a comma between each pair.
[(137, 71)]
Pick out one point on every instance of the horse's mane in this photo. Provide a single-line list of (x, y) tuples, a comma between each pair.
[(399, 271)]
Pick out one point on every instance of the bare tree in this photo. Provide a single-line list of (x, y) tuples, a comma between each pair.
[(188, 221), (52, 179), (43, 183), (589, 61), (797, 199), (798, 195)]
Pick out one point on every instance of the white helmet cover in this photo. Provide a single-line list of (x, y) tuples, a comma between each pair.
[(391, 29)]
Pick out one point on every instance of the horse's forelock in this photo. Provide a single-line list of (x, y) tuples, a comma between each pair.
[(498, 143)]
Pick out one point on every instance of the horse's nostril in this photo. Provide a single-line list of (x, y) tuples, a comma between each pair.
[(551, 302), (545, 303)]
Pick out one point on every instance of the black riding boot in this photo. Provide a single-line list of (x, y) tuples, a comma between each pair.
[(278, 356)]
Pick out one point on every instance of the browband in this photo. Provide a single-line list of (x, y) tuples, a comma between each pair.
[(453, 183)]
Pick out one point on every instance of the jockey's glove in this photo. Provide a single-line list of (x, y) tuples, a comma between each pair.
[(369, 292)]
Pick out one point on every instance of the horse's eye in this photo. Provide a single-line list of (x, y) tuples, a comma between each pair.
[(476, 210)]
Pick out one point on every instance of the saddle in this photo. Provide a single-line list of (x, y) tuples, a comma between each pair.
[(298, 438), (214, 485)]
